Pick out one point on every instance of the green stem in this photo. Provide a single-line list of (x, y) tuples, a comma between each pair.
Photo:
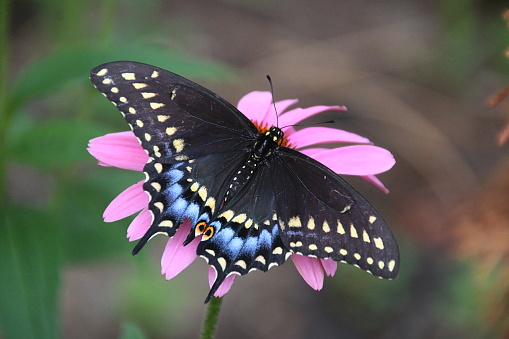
[(4, 106), (210, 323)]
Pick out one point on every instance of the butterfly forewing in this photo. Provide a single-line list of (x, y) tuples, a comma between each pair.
[(174, 118)]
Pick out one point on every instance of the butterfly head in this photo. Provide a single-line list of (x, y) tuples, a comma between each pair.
[(275, 133)]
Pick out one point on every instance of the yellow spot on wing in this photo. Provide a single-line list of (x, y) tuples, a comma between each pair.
[(162, 118), (155, 74), (128, 76), (328, 249), (325, 226), (340, 228), (365, 236), (277, 250), (241, 263), (222, 262), (202, 192), (240, 218), (159, 167), (156, 105), (147, 137), (313, 247), (178, 144), (166, 223), (311, 223), (357, 256), (159, 205), (107, 81), (379, 243), (171, 130), (147, 95), (391, 265), (260, 259), (294, 222), (372, 219), (228, 215), (102, 72), (132, 110), (195, 186), (353, 231), (343, 251), (156, 186), (139, 85), (211, 203)]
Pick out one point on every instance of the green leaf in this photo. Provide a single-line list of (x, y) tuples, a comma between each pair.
[(54, 143), (89, 237), (131, 331), (54, 71), (30, 262)]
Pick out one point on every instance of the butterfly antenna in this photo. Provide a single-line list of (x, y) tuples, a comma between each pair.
[(273, 101)]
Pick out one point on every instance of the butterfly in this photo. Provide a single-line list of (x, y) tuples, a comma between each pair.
[(252, 200)]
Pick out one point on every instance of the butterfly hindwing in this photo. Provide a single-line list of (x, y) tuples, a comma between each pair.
[(323, 216)]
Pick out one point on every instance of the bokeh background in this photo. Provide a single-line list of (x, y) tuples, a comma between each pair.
[(415, 76)]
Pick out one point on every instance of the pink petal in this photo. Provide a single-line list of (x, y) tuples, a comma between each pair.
[(296, 115), (177, 257), (329, 266), (140, 225), (121, 150), (130, 201), (376, 182), (356, 160), (282, 105), (225, 285), (316, 135), (255, 105), (310, 269)]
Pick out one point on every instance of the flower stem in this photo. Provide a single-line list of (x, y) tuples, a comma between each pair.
[(210, 323)]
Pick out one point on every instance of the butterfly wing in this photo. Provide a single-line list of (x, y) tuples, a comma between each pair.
[(320, 215), (247, 235), (193, 137)]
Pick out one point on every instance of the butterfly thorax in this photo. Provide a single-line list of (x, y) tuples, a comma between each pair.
[(263, 147)]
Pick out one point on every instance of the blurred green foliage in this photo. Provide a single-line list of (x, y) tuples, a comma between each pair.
[(49, 111)]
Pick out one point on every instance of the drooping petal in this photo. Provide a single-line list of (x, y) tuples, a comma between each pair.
[(140, 225), (376, 182), (121, 150), (130, 201), (329, 266), (310, 269), (298, 114), (177, 257), (255, 105), (319, 135), (355, 160), (225, 285)]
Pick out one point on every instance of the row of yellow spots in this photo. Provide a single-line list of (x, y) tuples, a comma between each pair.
[(295, 222), (343, 252), (242, 263)]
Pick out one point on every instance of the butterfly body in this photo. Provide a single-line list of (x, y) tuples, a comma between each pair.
[(253, 201)]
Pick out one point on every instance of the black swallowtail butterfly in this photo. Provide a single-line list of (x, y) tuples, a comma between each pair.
[(253, 201)]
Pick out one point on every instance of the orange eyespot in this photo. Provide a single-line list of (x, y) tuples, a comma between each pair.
[(204, 230)]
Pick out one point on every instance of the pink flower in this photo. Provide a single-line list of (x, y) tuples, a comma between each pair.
[(359, 158)]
